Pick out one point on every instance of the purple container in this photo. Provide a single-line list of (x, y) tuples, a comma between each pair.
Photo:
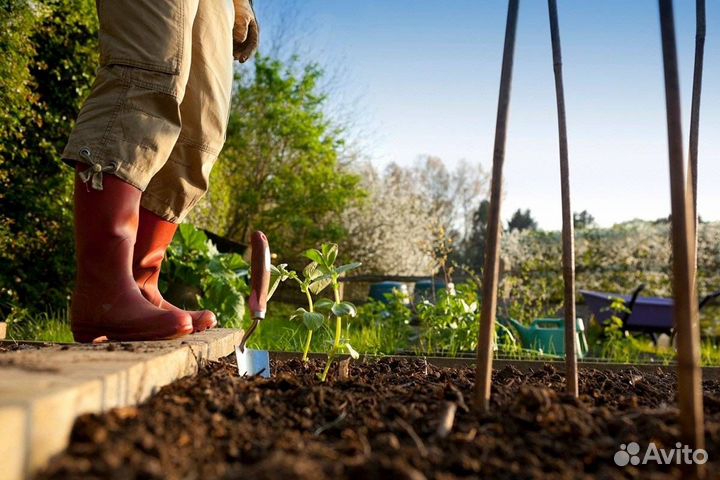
[(649, 313)]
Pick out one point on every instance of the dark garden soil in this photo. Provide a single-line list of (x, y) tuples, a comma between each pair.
[(383, 423)]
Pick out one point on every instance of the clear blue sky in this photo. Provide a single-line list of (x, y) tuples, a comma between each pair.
[(421, 77)]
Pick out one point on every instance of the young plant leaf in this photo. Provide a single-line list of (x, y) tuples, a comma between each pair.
[(299, 313), (311, 272), (313, 320), (315, 255), (330, 252), (343, 309), (274, 283), (280, 269), (347, 267), (233, 261), (324, 304), (279, 274), (192, 238), (215, 266), (353, 353), (320, 284)]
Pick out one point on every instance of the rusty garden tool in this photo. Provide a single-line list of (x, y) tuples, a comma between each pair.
[(256, 362)]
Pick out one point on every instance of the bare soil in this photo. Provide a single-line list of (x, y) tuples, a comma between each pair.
[(383, 423)]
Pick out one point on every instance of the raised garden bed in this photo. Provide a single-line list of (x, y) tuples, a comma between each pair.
[(383, 423), (44, 387)]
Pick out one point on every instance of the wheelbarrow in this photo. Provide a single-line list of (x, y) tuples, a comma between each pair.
[(651, 315), (548, 335)]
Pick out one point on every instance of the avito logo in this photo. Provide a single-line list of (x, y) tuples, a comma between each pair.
[(682, 454)]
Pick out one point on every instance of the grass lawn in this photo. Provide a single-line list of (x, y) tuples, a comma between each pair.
[(46, 327), (277, 333)]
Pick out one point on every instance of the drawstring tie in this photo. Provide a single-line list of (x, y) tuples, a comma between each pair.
[(94, 174)]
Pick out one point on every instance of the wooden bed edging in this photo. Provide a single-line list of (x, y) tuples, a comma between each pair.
[(709, 373)]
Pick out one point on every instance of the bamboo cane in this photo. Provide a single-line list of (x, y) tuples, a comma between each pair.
[(695, 120), (492, 246), (685, 304), (568, 240)]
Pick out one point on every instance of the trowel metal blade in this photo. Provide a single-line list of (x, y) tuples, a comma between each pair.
[(253, 362)]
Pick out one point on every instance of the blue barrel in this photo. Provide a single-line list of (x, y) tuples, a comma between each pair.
[(424, 289), (380, 289)]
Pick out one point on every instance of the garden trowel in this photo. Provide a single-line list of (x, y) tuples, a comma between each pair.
[(256, 362)]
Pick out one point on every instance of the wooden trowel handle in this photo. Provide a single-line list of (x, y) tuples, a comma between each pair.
[(259, 274)]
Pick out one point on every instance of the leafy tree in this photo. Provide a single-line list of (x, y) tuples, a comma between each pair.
[(392, 232), (522, 220), (434, 182), (583, 220), (470, 185), (282, 167), (450, 193), (474, 249), (49, 58), (416, 218)]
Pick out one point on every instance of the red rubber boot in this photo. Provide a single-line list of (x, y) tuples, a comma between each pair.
[(107, 302), (153, 238)]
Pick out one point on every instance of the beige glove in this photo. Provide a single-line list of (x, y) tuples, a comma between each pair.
[(246, 33)]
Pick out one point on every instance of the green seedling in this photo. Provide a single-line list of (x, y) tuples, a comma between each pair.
[(318, 275), (325, 274), (311, 319)]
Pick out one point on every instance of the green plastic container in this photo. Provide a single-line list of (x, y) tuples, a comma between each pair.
[(548, 335)]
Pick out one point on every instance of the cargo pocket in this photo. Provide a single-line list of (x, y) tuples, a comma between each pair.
[(146, 34)]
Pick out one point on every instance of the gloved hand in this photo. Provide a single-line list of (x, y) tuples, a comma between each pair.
[(246, 32)]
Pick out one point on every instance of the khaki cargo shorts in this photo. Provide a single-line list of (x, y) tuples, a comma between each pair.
[(159, 107)]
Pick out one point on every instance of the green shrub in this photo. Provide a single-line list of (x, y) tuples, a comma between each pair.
[(447, 326), (196, 275), (48, 61), (451, 324)]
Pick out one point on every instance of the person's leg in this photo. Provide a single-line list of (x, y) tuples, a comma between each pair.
[(154, 236), (205, 108), (125, 133), (184, 179), (131, 121), (106, 301)]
